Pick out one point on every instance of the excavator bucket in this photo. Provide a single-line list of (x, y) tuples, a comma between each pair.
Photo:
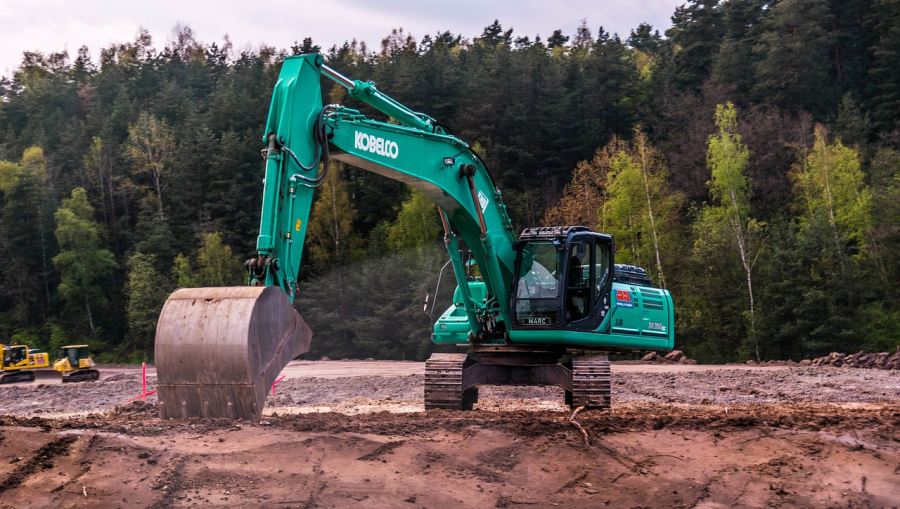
[(218, 350)]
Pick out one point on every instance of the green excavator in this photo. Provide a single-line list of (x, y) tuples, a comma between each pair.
[(548, 303)]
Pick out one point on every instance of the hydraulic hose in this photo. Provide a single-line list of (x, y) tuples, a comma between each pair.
[(320, 135)]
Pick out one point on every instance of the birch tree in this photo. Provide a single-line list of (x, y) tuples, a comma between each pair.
[(641, 210), (729, 189), (829, 181), (151, 145)]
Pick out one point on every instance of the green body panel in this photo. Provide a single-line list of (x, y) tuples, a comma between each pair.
[(647, 325), (418, 153)]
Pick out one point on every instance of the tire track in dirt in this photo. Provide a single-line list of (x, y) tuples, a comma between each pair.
[(42, 460)]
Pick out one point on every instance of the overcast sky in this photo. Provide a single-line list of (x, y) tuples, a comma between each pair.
[(54, 25)]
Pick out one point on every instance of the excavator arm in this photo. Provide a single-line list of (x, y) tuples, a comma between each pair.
[(301, 132)]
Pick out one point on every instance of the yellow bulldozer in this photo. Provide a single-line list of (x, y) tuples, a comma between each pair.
[(75, 364)]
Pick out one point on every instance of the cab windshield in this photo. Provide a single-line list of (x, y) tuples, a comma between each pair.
[(538, 288)]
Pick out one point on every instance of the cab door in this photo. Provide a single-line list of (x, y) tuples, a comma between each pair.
[(589, 264)]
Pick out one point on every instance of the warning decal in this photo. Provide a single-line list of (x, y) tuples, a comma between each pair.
[(623, 299)]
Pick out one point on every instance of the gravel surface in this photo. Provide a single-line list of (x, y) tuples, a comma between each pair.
[(723, 386)]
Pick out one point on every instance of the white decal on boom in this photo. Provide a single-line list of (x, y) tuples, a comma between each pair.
[(482, 200), (376, 145)]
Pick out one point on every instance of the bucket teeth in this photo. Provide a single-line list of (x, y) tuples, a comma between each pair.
[(218, 350)]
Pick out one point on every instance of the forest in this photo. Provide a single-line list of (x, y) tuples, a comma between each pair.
[(748, 158)]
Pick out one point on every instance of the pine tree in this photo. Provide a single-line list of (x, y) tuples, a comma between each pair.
[(794, 70), (697, 30)]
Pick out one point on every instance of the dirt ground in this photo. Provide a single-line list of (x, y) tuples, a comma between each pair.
[(347, 434)]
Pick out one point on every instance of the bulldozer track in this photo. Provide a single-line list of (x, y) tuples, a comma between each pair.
[(83, 375), (591, 382)]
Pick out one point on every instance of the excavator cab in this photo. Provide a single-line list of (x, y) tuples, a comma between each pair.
[(563, 279), (14, 355)]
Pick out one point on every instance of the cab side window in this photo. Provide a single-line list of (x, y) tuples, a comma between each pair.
[(578, 287), (601, 271)]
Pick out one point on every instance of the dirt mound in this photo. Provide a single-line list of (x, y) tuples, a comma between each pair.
[(883, 360), (673, 357), (773, 362), (658, 455), (676, 436)]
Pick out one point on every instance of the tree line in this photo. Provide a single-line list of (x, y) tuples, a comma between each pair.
[(748, 158)]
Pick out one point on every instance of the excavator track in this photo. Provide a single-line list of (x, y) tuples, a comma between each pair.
[(591, 382), (444, 383), (15, 377), (451, 379)]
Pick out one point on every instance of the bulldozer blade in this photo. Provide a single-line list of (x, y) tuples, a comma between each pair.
[(218, 350), (48, 376)]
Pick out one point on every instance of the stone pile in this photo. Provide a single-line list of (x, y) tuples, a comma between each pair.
[(883, 360), (673, 357)]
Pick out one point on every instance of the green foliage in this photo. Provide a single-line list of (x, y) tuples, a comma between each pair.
[(885, 81), (330, 237), (182, 272), (28, 337), (726, 225), (82, 262), (417, 223), (151, 145), (727, 157), (146, 289), (793, 49), (640, 209), (215, 265), (59, 337), (830, 182), (26, 243), (218, 266)]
